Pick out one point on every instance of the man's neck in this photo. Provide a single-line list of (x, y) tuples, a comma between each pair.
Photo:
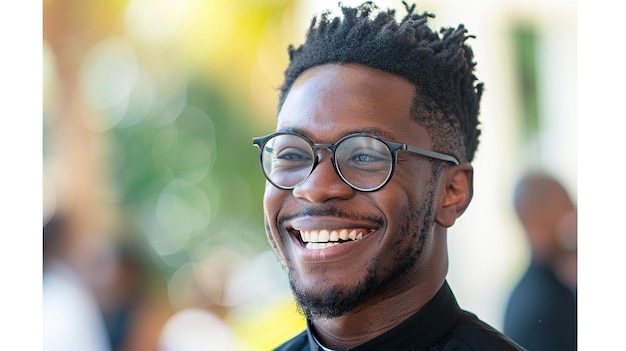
[(373, 318)]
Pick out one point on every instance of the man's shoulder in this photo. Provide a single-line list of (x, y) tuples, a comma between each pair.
[(299, 342), (474, 334), (538, 290)]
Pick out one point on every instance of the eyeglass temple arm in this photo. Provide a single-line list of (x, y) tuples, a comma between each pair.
[(432, 154), (258, 142)]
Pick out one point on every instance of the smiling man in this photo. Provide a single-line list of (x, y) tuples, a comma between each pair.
[(369, 164)]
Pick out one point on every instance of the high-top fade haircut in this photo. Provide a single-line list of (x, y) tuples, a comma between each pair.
[(439, 64)]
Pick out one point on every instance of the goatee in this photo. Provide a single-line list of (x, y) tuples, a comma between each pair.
[(339, 300)]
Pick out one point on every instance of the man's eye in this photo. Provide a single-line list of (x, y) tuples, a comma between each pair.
[(365, 158), (292, 155), (295, 156), (366, 154)]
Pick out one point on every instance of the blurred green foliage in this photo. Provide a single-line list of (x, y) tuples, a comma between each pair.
[(524, 39), (208, 146)]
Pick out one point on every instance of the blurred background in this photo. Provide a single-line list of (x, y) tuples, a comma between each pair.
[(152, 194)]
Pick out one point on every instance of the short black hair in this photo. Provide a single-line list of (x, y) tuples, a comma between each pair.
[(441, 67)]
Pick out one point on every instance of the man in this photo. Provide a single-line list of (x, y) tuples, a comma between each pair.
[(376, 129), (541, 313)]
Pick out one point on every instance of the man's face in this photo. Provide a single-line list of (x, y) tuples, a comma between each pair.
[(394, 249)]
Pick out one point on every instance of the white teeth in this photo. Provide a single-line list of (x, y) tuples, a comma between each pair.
[(343, 235), (317, 246), (324, 236), (334, 236), (314, 237), (319, 239)]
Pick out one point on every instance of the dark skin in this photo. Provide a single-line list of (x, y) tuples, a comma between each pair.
[(326, 103)]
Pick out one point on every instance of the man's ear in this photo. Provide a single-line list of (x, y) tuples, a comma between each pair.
[(458, 189)]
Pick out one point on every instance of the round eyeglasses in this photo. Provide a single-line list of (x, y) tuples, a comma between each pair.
[(364, 162)]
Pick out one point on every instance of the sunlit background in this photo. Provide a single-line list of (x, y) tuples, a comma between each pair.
[(149, 107)]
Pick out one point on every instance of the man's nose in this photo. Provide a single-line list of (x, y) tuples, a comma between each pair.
[(323, 183)]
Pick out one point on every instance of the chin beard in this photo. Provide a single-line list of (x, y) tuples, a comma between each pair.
[(336, 301)]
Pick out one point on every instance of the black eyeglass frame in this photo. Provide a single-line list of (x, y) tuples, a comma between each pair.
[(393, 149)]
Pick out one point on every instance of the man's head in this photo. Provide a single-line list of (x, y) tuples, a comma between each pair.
[(547, 214), (344, 248), (439, 64)]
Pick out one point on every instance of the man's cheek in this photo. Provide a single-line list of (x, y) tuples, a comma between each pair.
[(271, 198)]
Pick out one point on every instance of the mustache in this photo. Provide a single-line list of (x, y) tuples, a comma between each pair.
[(329, 211)]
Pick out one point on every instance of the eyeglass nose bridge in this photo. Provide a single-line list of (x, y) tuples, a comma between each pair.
[(318, 147), (317, 159)]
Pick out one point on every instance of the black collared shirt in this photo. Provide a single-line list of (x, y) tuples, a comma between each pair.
[(440, 325)]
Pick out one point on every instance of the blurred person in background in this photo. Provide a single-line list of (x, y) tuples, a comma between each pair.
[(123, 298), (541, 312), (360, 225), (96, 293), (124, 294), (130, 293), (72, 318)]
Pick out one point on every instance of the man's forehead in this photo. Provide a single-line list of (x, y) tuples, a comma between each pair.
[(351, 87), (369, 76), (330, 101)]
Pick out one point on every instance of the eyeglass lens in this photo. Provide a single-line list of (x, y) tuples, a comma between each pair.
[(363, 162)]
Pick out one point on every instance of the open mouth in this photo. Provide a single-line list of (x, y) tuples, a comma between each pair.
[(321, 239)]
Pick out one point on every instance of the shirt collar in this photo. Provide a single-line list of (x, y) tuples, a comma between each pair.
[(317, 343), (426, 327)]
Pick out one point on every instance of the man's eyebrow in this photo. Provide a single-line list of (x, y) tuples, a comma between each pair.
[(375, 132), (292, 130), (372, 131)]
